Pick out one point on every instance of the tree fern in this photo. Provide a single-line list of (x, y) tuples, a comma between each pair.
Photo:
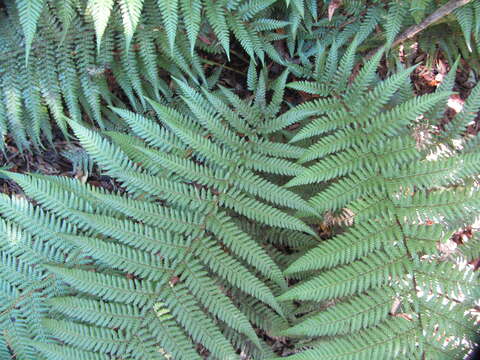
[(206, 247)]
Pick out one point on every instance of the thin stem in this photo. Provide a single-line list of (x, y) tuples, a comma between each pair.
[(429, 20), (210, 62), (436, 16), (238, 55)]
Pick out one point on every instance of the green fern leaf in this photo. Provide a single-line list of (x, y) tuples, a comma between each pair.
[(169, 11), (100, 11), (464, 16), (29, 12), (191, 13), (216, 16), (131, 10), (57, 352)]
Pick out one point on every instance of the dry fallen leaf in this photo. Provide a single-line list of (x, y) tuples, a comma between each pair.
[(404, 316), (81, 176), (334, 5), (174, 280), (455, 102), (395, 306)]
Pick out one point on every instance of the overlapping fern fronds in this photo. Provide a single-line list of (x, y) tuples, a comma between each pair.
[(186, 258), (65, 74), (187, 16), (60, 71), (386, 284), (381, 22), (151, 273), (73, 49)]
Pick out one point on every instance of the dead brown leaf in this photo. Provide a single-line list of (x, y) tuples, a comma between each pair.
[(334, 5)]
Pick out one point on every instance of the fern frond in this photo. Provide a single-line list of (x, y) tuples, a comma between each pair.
[(402, 202), (29, 13), (191, 12), (216, 17), (175, 233), (349, 316), (392, 339), (58, 352), (131, 10), (101, 340), (100, 11), (169, 11), (106, 314)]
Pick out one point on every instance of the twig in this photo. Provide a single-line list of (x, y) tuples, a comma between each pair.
[(210, 62), (239, 56), (429, 20)]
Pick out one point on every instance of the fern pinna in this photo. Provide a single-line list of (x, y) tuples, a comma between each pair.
[(385, 287), (168, 268)]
